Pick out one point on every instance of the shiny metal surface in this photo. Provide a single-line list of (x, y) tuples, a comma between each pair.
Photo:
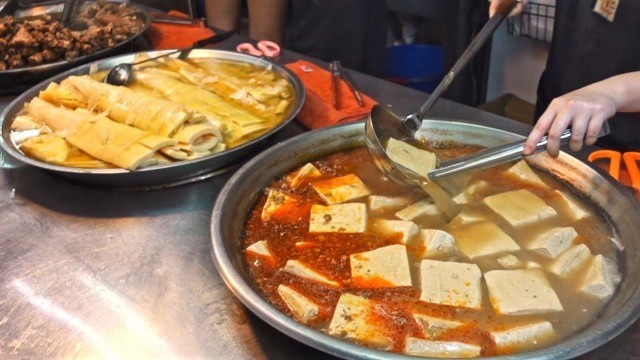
[(15, 81), (92, 272), (154, 175), (121, 73), (244, 188)]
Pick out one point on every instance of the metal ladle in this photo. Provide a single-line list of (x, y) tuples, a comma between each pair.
[(382, 124), (120, 74)]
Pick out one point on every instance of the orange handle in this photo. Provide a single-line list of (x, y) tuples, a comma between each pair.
[(615, 158), (630, 161)]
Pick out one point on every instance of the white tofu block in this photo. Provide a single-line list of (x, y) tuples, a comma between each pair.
[(520, 292), (259, 248), (276, 201), (433, 327), (553, 242), (302, 307), (482, 239), (510, 262), (419, 209), (571, 260), (436, 243), (569, 206), (415, 159), (341, 189), (442, 199), (522, 171), (469, 194), (523, 337), (298, 268), (598, 280), (379, 204), (383, 267), (451, 283), (466, 217), (305, 174), (520, 207), (402, 228), (532, 265), (351, 321), (440, 349), (342, 218)]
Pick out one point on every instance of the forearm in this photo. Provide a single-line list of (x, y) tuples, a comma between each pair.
[(624, 90)]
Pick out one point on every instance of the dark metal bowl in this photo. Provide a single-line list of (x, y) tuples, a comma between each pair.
[(243, 190), (15, 81), (177, 172)]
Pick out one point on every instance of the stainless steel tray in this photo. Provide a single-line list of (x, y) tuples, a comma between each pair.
[(15, 81), (160, 175)]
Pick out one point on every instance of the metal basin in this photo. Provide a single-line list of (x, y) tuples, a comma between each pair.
[(160, 175), (242, 191)]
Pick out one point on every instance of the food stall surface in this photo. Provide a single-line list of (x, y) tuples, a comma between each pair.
[(87, 271)]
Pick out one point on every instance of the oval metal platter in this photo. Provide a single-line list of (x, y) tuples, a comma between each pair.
[(159, 175), (15, 81)]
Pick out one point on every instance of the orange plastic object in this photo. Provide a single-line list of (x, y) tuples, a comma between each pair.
[(615, 158), (631, 162)]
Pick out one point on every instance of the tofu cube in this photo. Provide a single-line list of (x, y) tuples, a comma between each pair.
[(451, 283), (343, 218), (510, 262), (598, 281), (404, 229), (298, 268), (259, 248), (571, 260), (379, 204), (523, 337), (415, 159), (422, 208), (523, 171), (275, 208), (436, 243), (383, 267), (553, 242), (341, 189), (470, 193), (440, 349), (351, 320), (569, 206), (482, 239), (432, 327), (467, 216), (520, 207), (305, 174), (302, 307), (520, 292)]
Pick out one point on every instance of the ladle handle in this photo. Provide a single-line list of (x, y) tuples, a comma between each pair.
[(476, 44)]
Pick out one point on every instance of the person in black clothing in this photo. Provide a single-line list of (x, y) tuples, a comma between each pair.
[(592, 75)]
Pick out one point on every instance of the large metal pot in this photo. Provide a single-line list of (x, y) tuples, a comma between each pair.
[(243, 190)]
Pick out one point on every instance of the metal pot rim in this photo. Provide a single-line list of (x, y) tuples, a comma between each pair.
[(579, 343)]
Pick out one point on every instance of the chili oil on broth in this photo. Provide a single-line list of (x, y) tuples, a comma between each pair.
[(329, 254), (222, 104)]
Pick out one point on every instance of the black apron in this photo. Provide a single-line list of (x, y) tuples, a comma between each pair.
[(587, 48), (352, 31)]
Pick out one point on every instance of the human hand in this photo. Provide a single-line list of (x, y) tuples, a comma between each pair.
[(495, 4), (584, 110)]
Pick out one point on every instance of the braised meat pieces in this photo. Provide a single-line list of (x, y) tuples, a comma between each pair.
[(41, 40)]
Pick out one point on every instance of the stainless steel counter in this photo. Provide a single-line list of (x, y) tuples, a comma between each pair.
[(106, 273)]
